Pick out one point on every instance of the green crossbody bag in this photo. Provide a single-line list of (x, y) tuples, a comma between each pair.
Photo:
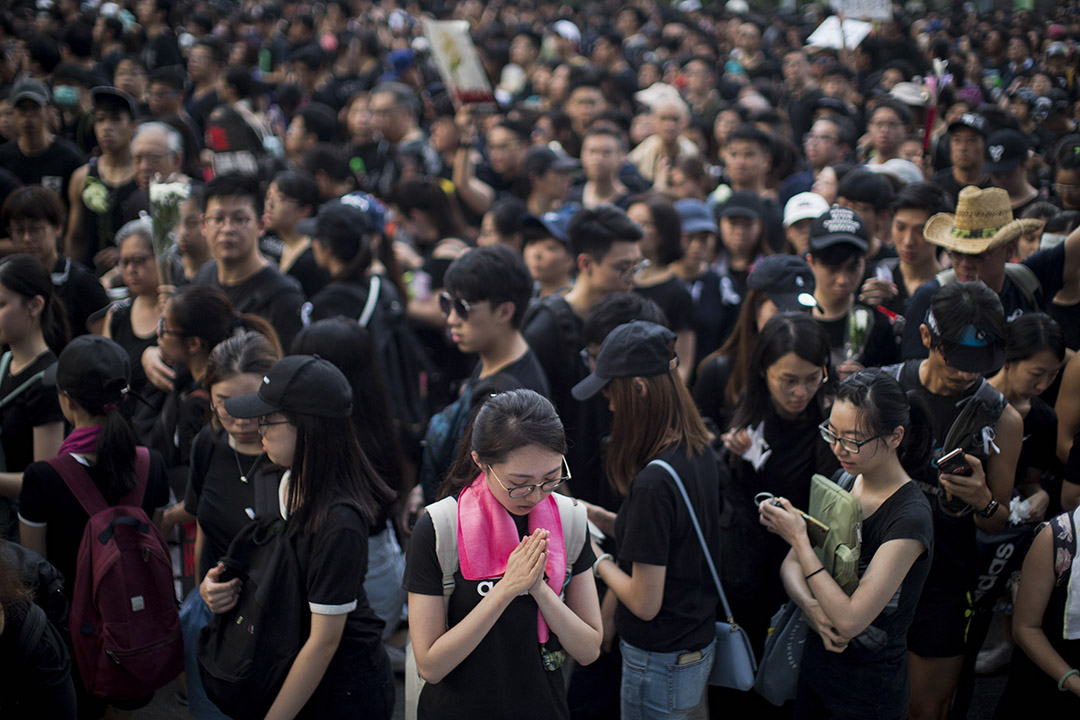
[(841, 511)]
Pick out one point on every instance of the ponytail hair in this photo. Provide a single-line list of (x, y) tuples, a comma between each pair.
[(207, 314), (115, 452), (25, 275), (883, 406)]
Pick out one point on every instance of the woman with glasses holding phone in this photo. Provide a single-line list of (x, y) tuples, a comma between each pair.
[(773, 446), (662, 605), (520, 602), (856, 664)]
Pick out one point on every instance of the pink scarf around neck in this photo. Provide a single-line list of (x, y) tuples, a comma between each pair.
[(487, 535), (81, 441)]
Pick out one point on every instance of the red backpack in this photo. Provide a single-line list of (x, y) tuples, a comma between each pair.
[(125, 627)]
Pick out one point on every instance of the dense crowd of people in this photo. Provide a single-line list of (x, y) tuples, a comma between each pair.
[(316, 371)]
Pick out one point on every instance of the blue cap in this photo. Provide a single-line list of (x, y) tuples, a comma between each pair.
[(695, 217), (555, 223)]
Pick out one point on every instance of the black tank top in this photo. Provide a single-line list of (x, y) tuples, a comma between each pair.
[(106, 212)]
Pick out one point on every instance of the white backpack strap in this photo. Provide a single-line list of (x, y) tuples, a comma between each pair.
[(372, 298), (444, 519), (575, 520)]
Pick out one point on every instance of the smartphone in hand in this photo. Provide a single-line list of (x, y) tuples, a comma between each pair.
[(953, 463)]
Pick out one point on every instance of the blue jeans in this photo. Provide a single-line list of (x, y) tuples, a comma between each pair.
[(194, 616), (382, 585), (655, 686)]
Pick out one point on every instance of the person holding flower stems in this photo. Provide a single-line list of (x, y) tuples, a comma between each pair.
[(859, 336), (101, 191), (855, 662)]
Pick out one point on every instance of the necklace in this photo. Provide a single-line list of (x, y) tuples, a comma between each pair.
[(243, 475)]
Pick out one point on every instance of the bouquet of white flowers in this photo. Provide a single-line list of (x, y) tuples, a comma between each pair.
[(165, 199)]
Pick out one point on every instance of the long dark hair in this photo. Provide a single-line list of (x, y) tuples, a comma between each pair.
[(329, 466), (791, 332), (883, 406), (205, 313), (503, 423), (350, 347), (25, 275), (739, 346), (668, 225)]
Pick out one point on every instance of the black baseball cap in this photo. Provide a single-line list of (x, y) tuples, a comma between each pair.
[(743, 204), (346, 217), (93, 369), (111, 98), (303, 384), (838, 225), (540, 159), (971, 121), (1005, 150), (973, 350), (635, 349), (787, 280)]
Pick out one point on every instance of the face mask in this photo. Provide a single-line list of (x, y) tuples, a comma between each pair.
[(66, 96)]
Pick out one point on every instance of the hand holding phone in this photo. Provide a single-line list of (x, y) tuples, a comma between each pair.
[(953, 463)]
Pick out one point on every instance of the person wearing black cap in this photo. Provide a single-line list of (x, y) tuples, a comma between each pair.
[(549, 176), (37, 155), (742, 242), (665, 612), (777, 284), (859, 336), (91, 380), (1006, 162), (328, 497), (964, 332), (99, 192), (967, 148)]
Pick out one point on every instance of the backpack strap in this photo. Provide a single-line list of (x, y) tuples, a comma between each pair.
[(372, 300), (575, 520), (444, 519), (79, 482), (1026, 280), (32, 631), (5, 363)]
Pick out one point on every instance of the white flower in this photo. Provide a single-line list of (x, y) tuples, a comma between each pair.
[(168, 193)]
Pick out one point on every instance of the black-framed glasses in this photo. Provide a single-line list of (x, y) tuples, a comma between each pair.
[(848, 444), (162, 331), (264, 423), (448, 303), (519, 491)]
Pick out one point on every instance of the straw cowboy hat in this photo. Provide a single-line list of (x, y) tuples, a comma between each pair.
[(983, 221)]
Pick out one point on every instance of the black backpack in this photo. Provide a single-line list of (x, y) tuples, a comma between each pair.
[(566, 325), (44, 580), (245, 654)]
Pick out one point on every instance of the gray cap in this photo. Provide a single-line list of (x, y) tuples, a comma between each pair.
[(30, 89)]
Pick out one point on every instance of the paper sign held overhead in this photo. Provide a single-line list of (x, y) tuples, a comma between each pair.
[(828, 34), (864, 9), (458, 63)]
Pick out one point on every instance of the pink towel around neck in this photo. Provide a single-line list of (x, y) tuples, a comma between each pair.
[(487, 535)]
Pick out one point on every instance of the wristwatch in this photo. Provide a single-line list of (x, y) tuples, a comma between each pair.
[(990, 509)]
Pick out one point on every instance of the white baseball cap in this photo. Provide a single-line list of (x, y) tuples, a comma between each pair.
[(804, 206)]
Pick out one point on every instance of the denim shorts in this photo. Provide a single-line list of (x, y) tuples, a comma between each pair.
[(382, 584), (655, 686)]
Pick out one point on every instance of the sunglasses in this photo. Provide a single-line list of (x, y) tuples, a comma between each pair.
[(448, 303)]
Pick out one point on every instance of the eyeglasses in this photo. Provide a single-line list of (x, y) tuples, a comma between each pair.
[(1063, 189), (812, 138), (886, 125), (789, 385), (848, 444), (162, 331), (264, 423), (135, 261), (519, 491), (35, 232), (628, 269), (448, 303), (217, 221)]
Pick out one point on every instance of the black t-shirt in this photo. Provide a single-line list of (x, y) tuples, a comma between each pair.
[(865, 682), (946, 180), (1047, 265), (199, 108), (1039, 449), (222, 502), (876, 349), (526, 370), (504, 676), (162, 51), (653, 527), (46, 500), (80, 292), (342, 298), (307, 272), (708, 391), (33, 407), (1068, 316), (267, 293), (36, 682), (52, 168), (562, 366), (674, 299), (334, 562)]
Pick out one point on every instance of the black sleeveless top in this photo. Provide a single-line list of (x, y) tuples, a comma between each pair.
[(124, 334)]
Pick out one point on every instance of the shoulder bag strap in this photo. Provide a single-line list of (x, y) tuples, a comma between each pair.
[(444, 519), (574, 520), (5, 363), (372, 299), (1025, 279), (79, 482), (700, 535)]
